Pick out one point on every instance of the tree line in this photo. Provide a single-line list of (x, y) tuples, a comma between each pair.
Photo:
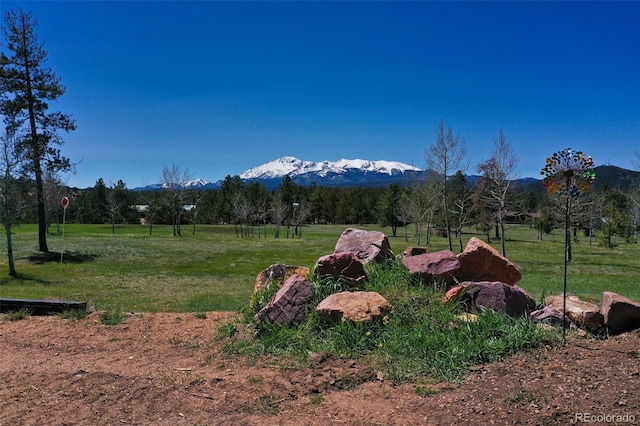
[(415, 211)]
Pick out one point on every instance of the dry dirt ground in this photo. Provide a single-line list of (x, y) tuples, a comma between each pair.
[(167, 369)]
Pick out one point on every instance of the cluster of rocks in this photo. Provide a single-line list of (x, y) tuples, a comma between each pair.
[(616, 314), (478, 278), (355, 249)]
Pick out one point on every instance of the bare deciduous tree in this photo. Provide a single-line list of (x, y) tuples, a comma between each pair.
[(418, 206), (443, 156), (461, 199), (301, 211), (279, 212), (260, 214), (498, 171), (173, 180), (11, 204), (153, 209), (53, 193), (240, 211), (115, 202)]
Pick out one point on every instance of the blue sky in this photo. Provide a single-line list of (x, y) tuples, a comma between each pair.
[(219, 87)]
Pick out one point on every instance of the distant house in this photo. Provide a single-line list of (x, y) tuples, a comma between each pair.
[(140, 208)]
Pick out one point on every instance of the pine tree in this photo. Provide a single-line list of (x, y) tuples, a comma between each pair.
[(25, 87)]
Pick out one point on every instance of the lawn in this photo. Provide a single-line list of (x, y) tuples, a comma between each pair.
[(214, 270)]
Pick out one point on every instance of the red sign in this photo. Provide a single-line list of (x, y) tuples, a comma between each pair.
[(65, 202)]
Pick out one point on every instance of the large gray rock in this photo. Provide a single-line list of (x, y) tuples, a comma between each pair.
[(289, 306), (368, 246), (620, 314), (344, 266), (354, 306), (498, 296), (441, 264), (481, 262), (583, 314)]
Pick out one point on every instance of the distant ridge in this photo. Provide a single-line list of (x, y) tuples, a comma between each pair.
[(366, 173)]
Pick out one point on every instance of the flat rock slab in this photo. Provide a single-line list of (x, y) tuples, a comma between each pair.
[(428, 265), (355, 306), (41, 307), (481, 262)]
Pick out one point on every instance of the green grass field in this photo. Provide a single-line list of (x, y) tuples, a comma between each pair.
[(213, 270)]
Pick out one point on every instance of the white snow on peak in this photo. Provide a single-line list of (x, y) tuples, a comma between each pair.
[(195, 183), (279, 167), (291, 166)]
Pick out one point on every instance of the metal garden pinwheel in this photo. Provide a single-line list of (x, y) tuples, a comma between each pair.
[(568, 173)]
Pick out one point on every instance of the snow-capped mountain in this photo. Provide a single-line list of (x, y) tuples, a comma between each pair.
[(190, 184), (331, 173), (324, 173), (195, 183), (291, 166)]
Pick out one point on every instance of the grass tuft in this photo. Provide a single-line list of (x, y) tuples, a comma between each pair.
[(425, 391), (269, 404), (523, 396), (112, 318), (17, 315), (73, 314)]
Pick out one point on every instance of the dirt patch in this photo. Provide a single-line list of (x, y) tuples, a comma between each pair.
[(167, 369)]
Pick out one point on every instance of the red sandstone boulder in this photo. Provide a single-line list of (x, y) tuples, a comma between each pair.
[(583, 314), (441, 264), (498, 296), (279, 274), (353, 306), (289, 306), (481, 262), (620, 314), (368, 246), (344, 266)]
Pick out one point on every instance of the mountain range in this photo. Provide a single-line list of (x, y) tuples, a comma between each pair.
[(365, 173)]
